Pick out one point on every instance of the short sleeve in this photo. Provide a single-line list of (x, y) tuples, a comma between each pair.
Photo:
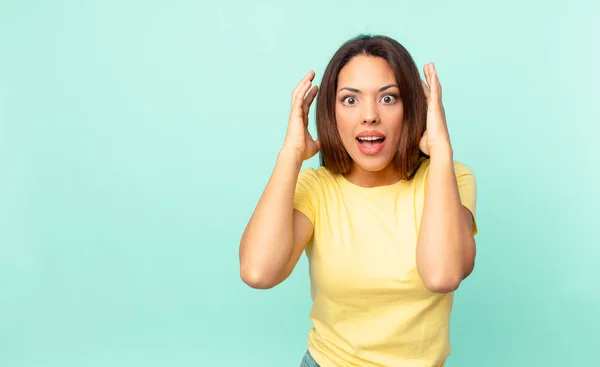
[(467, 189), (306, 194)]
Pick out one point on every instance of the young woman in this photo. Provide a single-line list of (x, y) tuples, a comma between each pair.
[(387, 221)]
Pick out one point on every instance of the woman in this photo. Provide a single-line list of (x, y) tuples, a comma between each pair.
[(388, 220)]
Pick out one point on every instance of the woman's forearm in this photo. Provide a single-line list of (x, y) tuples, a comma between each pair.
[(445, 246), (267, 242)]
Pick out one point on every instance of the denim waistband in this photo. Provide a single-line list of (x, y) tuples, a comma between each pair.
[(308, 361)]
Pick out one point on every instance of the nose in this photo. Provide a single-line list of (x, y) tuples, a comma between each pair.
[(370, 115), (371, 119)]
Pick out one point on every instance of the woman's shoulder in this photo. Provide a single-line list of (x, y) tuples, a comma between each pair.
[(321, 174), (317, 178)]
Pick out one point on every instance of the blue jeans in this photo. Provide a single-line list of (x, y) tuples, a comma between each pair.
[(308, 361)]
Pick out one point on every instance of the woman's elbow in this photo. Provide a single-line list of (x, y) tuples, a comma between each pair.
[(256, 278), (442, 283)]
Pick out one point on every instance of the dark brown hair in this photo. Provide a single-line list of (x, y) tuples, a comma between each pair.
[(334, 156)]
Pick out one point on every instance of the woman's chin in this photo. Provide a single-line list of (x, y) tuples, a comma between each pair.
[(372, 164)]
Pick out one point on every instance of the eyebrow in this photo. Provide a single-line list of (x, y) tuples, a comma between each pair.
[(380, 89)]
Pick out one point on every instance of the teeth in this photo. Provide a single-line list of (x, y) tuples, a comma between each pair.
[(371, 138)]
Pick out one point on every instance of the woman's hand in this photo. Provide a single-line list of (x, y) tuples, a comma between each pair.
[(436, 137), (297, 137)]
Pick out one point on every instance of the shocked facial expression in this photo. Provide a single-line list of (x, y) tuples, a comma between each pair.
[(369, 112)]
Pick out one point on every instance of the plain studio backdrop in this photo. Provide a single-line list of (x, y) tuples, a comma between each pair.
[(137, 136)]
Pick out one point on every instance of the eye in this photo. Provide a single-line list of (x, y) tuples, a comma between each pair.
[(349, 100), (389, 98)]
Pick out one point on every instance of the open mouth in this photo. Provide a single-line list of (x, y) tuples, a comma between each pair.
[(370, 141)]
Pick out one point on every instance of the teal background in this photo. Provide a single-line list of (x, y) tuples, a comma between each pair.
[(137, 136)]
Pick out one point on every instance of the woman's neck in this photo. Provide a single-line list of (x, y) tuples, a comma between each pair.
[(361, 177)]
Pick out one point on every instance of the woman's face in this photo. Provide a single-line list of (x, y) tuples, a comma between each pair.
[(369, 112)]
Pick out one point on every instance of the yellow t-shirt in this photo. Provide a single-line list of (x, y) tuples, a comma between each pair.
[(370, 306)]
